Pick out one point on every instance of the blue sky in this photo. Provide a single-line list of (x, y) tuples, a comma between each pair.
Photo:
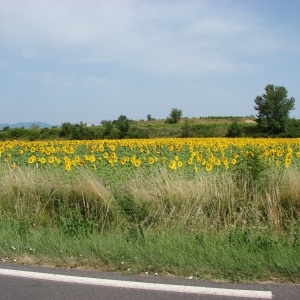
[(93, 60)]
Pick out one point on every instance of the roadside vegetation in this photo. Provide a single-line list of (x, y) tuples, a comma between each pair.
[(211, 226), (199, 197), (224, 209)]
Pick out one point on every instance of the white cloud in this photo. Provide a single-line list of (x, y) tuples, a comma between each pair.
[(163, 37)]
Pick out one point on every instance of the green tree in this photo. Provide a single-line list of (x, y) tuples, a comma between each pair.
[(108, 126), (175, 116), (66, 129), (34, 126), (292, 128), (123, 124), (234, 130), (273, 109), (186, 130), (149, 118)]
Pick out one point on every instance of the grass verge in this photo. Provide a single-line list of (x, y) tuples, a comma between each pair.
[(219, 226), (238, 256)]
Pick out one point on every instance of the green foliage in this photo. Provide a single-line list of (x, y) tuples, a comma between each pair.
[(135, 212), (33, 134), (135, 234), (192, 127), (16, 133), (123, 124), (236, 240), (4, 135), (202, 130), (78, 131), (263, 241), (292, 129), (34, 127), (108, 128), (24, 225), (66, 129), (246, 256), (187, 130), (250, 167), (234, 130), (208, 130), (175, 116), (74, 223), (238, 236), (149, 118), (136, 132), (273, 109), (49, 133)]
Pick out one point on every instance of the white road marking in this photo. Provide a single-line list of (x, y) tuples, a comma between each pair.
[(139, 285)]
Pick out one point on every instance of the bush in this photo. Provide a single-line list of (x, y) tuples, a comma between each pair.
[(234, 130)]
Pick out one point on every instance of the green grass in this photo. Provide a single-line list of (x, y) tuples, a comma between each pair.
[(204, 255), (213, 225)]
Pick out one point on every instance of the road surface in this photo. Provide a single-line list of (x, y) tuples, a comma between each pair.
[(35, 283)]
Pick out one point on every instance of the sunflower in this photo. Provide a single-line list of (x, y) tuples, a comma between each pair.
[(32, 159), (172, 164), (151, 160), (137, 162), (123, 160), (51, 159), (42, 160), (190, 161), (287, 161), (112, 147), (208, 166)]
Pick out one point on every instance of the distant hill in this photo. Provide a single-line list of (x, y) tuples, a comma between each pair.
[(26, 125)]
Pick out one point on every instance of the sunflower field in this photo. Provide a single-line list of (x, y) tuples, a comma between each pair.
[(121, 156)]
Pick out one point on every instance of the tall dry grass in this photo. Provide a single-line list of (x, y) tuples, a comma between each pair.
[(161, 199), (218, 200), (42, 195)]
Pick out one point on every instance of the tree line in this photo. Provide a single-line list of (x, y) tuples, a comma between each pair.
[(272, 119)]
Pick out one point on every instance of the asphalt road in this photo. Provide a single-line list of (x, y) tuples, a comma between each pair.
[(16, 285)]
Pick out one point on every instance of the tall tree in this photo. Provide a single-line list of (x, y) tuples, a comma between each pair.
[(273, 109), (175, 116), (123, 124)]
